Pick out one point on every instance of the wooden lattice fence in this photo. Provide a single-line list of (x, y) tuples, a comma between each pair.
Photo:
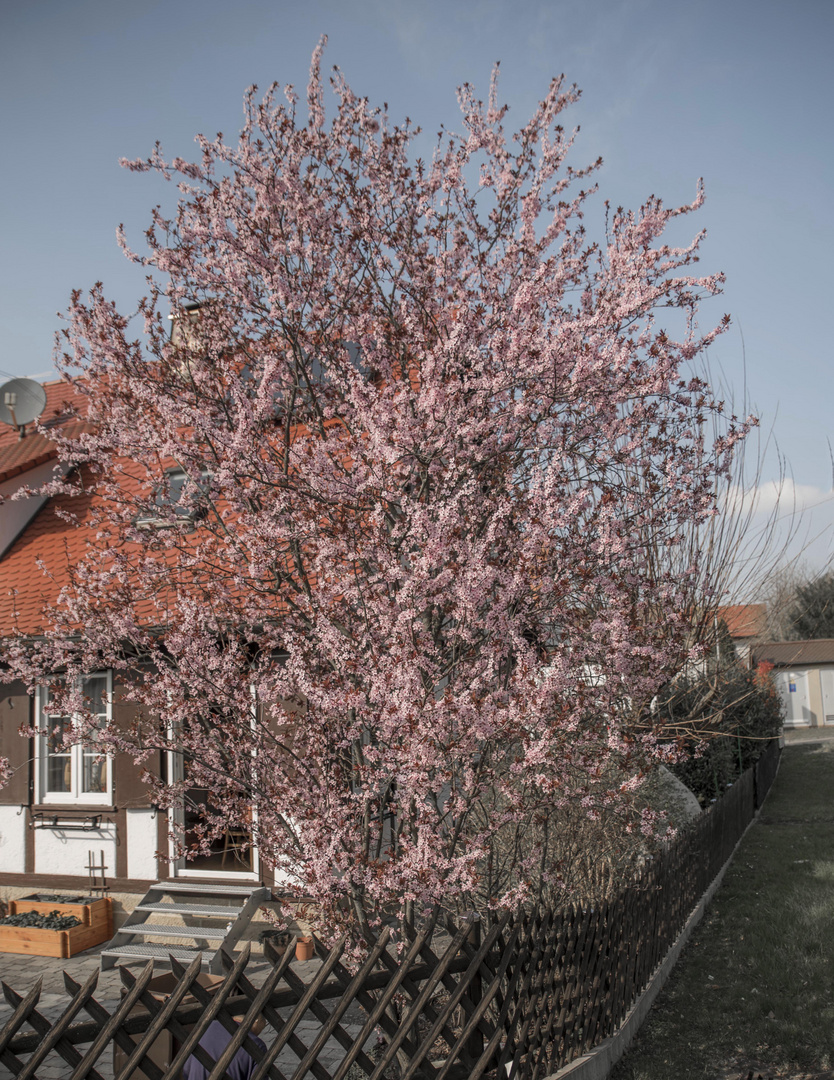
[(515, 996)]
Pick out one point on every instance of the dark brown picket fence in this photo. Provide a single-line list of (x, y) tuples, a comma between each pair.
[(516, 996), (764, 771)]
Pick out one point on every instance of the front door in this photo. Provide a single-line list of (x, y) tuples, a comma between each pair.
[(229, 854)]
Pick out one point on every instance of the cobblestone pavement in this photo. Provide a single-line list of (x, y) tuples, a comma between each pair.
[(21, 972)]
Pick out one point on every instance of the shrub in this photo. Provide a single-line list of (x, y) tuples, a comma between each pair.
[(738, 712)]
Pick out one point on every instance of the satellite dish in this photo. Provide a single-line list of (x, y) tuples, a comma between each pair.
[(21, 402)]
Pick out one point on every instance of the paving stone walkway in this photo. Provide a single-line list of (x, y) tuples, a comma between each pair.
[(21, 972)]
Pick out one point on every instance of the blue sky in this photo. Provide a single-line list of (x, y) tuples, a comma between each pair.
[(738, 92)]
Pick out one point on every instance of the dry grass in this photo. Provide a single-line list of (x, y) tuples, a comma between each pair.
[(754, 990)]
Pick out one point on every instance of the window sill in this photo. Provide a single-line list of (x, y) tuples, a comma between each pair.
[(74, 819)]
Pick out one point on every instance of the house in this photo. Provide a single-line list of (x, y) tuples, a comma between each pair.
[(746, 624), (63, 802), (803, 672)]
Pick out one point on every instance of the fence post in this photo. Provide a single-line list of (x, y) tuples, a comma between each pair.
[(475, 1042)]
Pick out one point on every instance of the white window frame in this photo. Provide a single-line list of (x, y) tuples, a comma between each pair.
[(178, 476), (75, 755)]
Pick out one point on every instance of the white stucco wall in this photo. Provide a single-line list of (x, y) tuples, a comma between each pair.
[(65, 851), (142, 844), (12, 839)]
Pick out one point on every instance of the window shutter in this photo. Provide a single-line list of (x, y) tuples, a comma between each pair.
[(16, 708), (129, 789)]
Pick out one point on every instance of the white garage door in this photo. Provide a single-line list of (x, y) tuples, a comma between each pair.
[(793, 686)]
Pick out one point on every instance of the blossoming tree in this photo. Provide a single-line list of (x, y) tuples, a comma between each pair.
[(379, 534)]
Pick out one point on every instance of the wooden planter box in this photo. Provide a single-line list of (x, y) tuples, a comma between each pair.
[(96, 927)]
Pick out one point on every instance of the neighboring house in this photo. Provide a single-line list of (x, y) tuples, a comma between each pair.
[(746, 625), (64, 802), (803, 672)]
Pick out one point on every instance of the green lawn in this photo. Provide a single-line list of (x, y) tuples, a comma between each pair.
[(754, 989)]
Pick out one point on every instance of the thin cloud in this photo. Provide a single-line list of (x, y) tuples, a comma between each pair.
[(786, 496)]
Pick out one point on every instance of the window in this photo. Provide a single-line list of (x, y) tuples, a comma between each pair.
[(169, 498), (79, 772)]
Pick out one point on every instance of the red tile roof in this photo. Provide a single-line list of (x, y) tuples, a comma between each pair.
[(50, 539), (24, 588), (744, 620), (56, 543), (61, 414)]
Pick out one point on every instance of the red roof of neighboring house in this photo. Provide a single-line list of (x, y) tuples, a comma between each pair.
[(744, 620)]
